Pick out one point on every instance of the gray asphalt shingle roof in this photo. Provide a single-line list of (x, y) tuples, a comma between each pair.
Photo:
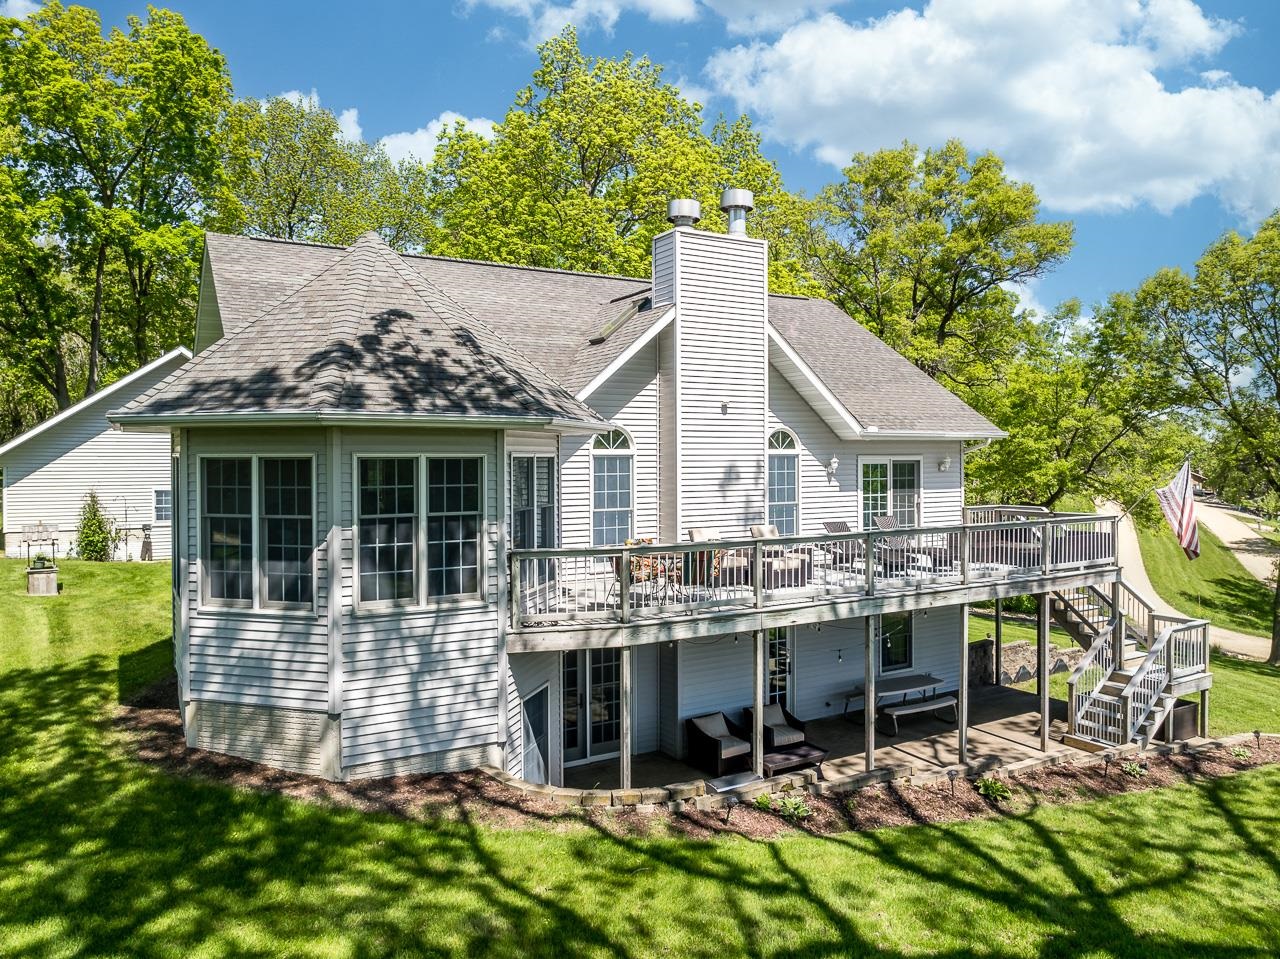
[(366, 335), (542, 321)]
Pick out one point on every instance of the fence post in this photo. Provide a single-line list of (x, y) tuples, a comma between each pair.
[(624, 586)]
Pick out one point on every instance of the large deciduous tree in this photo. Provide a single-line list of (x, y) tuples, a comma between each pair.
[(579, 172), (119, 135), (923, 247), (296, 177), (1222, 325), (1092, 411)]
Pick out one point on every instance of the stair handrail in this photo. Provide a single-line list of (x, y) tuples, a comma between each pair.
[(1148, 681), (1148, 619), (1065, 599), (1099, 656)]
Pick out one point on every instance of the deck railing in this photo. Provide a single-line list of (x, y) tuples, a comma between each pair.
[(644, 582)]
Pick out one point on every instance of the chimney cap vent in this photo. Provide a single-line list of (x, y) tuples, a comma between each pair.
[(737, 199), (684, 212)]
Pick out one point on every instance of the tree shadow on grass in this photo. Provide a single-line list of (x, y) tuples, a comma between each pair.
[(100, 854)]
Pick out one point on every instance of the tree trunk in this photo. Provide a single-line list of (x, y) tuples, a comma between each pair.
[(95, 321)]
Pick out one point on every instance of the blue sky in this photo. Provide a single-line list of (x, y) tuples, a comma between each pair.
[(1153, 124)]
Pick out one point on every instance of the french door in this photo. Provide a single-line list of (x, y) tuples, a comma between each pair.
[(592, 697), (890, 487)]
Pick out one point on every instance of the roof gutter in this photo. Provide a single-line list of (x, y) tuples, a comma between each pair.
[(143, 422)]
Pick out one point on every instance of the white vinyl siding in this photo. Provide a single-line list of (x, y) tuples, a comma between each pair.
[(629, 400), (47, 478)]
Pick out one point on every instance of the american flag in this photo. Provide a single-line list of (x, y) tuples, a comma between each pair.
[(1179, 506)]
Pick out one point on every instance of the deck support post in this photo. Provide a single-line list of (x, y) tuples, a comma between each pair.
[(998, 651), (624, 756), (757, 704), (869, 690), (1042, 667), (1204, 715), (1117, 636), (962, 694)]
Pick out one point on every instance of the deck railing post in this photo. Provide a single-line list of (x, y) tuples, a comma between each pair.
[(868, 545), (1126, 718), (757, 572), (965, 548), (1046, 547), (624, 586), (1117, 636), (517, 601)]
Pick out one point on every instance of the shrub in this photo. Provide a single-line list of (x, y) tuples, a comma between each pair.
[(1133, 770), (763, 802), (1240, 752), (794, 808), (997, 790), (96, 535)]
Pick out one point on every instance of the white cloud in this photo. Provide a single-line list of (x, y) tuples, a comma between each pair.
[(546, 18), (421, 143), (692, 90), (349, 124), (18, 9), (309, 100), (1069, 92), (766, 16)]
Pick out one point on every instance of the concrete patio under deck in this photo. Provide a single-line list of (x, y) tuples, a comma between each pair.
[(1004, 728)]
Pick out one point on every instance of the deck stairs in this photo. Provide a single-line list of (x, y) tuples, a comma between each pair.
[(1122, 692)]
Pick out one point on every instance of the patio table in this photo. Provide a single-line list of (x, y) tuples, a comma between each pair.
[(904, 685)]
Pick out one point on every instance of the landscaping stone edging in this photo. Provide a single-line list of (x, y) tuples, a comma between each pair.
[(676, 796)]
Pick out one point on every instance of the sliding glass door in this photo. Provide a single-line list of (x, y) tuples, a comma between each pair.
[(592, 698)]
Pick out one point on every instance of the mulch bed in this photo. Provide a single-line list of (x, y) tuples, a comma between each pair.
[(154, 731)]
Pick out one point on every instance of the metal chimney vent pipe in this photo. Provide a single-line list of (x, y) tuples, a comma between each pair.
[(737, 204), (684, 212)]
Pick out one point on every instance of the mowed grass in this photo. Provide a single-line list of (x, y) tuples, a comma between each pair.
[(1214, 586), (101, 856), (983, 624)]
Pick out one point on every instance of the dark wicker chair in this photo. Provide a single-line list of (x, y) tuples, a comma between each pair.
[(781, 729), (716, 746)]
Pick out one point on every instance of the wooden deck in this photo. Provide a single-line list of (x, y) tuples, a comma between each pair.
[(1004, 728)]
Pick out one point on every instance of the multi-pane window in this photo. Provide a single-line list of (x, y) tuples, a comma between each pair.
[(784, 483), (288, 532), (533, 520), (906, 491), (388, 498), (162, 509), (453, 526), (611, 484), (227, 536), (891, 488), (779, 679), (895, 641)]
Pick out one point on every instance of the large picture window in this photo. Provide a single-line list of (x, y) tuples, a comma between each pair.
[(895, 641), (784, 483), (453, 527), (288, 531), (891, 488), (226, 515), (611, 486), (388, 501)]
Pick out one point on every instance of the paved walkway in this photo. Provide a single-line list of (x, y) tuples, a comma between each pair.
[(1256, 553), (1135, 574)]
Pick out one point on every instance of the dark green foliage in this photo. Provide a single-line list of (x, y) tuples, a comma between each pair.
[(96, 534)]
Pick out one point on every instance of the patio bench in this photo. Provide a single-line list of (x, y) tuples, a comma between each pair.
[(921, 706)]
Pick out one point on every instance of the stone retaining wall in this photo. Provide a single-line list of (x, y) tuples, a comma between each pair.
[(1018, 665)]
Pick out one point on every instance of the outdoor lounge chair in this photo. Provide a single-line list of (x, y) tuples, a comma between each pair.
[(784, 566), (851, 554), (781, 729), (904, 554), (716, 746), (715, 567)]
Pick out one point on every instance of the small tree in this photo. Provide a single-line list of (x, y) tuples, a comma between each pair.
[(96, 535)]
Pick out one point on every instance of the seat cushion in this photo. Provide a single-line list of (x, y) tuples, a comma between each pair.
[(731, 746), (703, 534), (785, 735), (773, 715), (764, 532)]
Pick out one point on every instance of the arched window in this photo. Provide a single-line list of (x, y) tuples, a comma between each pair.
[(611, 489), (784, 482)]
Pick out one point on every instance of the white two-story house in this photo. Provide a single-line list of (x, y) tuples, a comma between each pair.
[(433, 514)]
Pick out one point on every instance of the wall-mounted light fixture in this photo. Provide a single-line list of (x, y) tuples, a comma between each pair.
[(944, 464), (833, 464), (724, 408), (839, 655)]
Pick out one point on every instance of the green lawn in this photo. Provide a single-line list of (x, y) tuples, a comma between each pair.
[(982, 625), (100, 856), (1215, 586)]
